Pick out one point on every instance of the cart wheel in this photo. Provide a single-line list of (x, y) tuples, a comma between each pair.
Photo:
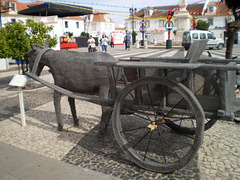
[(139, 123), (209, 87), (187, 125)]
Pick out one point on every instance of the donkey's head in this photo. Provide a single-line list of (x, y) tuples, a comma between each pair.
[(32, 55)]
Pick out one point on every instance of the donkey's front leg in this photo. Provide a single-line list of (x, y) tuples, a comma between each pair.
[(57, 104), (106, 112), (73, 110)]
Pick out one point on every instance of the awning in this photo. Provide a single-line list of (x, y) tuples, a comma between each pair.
[(59, 9)]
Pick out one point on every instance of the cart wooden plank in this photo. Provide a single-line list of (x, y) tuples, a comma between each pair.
[(164, 65)]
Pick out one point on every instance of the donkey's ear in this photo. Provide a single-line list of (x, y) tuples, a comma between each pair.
[(46, 44), (36, 46)]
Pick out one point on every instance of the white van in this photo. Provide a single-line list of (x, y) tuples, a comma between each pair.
[(190, 36)]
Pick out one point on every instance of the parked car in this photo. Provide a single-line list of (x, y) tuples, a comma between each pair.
[(192, 35)]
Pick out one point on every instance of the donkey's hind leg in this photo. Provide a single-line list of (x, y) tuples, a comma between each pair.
[(73, 110), (57, 104)]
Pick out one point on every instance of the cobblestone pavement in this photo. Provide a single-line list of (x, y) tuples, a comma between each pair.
[(218, 158)]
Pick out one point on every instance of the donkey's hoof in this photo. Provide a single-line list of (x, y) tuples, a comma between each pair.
[(76, 123), (60, 128), (102, 133)]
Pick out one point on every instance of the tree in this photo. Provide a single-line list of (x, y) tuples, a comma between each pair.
[(202, 25), (5, 50), (84, 34), (232, 27), (16, 38), (38, 33), (17, 43)]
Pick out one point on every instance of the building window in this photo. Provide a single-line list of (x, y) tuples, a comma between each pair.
[(211, 9), (12, 6), (161, 23), (13, 20), (77, 24), (94, 28), (66, 24), (210, 21)]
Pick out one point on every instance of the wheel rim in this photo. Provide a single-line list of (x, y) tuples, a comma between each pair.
[(139, 124)]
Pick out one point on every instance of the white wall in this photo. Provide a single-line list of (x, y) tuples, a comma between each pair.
[(72, 27), (57, 23), (218, 26)]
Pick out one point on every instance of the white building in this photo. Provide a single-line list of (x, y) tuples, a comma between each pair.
[(99, 23), (216, 13), (74, 24)]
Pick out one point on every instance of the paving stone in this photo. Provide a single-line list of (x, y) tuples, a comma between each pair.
[(219, 156)]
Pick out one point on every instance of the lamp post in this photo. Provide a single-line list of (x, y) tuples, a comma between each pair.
[(132, 12)]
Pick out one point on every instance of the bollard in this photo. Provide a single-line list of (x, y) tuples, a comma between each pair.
[(169, 44), (137, 44), (145, 44)]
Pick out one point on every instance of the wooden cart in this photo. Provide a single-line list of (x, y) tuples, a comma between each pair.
[(159, 118)]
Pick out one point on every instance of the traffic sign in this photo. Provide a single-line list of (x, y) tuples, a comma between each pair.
[(169, 25), (143, 30), (145, 23)]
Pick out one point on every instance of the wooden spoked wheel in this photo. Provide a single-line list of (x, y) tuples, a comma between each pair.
[(140, 114), (206, 86)]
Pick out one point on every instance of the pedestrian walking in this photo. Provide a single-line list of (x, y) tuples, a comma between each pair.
[(112, 42), (104, 43), (127, 40)]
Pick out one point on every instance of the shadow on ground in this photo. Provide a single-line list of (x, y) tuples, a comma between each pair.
[(105, 156)]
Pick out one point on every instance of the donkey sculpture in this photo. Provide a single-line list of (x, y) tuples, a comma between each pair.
[(75, 71)]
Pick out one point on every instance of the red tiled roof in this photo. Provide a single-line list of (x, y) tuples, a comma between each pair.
[(222, 8), (33, 4), (21, 6), (194, 9), (75, 17), (100, 12), (98, 18)]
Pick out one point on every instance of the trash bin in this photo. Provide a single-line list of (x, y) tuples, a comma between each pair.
[(169, 44)]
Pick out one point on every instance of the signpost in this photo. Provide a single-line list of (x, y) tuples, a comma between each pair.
[(143, 29), (20, 81), (169, 27)]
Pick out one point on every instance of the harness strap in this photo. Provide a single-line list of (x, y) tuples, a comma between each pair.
[(38, 58)]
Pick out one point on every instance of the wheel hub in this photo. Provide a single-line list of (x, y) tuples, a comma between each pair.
[(152, 126)]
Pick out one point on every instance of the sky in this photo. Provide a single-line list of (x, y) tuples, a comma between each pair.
[(119, 9)]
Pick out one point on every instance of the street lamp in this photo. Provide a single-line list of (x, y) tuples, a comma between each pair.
[(132, 12)]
